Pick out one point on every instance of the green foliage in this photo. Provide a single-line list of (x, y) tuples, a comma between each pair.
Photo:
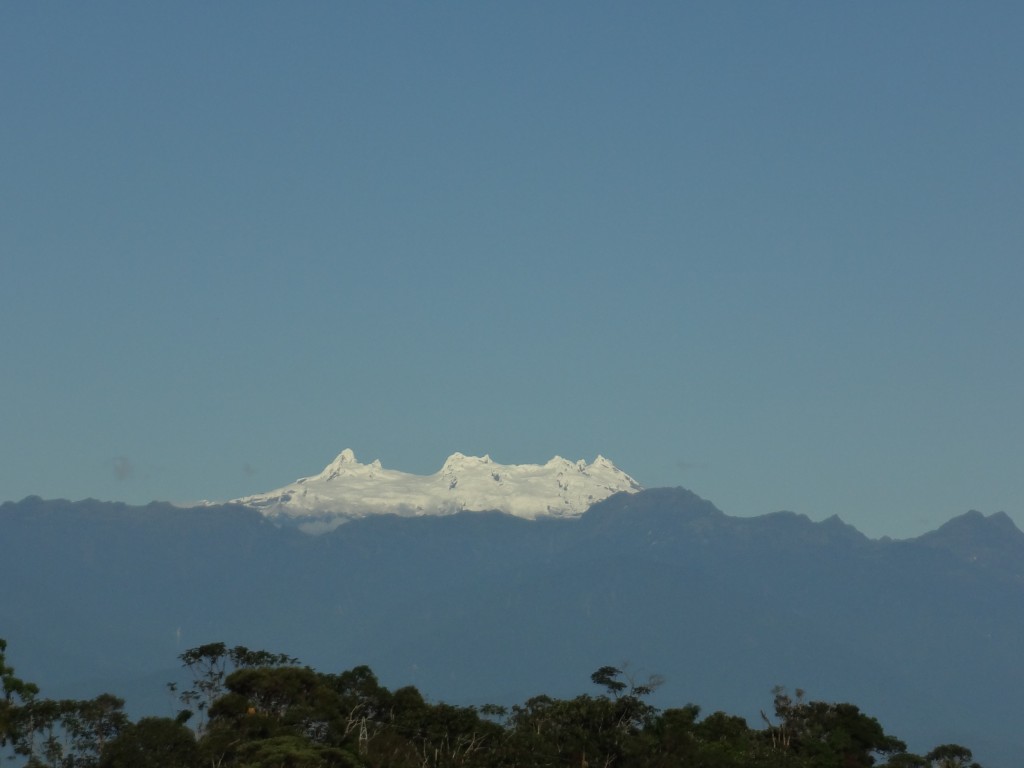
[(17, 694), (951, 756), (264, 710), (210, 665), (153, 742), (828, 735), (67, 733)]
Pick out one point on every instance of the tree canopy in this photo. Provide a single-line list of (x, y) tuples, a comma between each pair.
[(255, 709)]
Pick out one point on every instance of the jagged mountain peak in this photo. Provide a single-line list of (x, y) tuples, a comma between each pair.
[(347, 489), (459, 461), (975, 523), (988, 540), (344, 464)]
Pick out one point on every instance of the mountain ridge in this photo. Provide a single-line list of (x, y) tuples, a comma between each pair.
[(486, 606), (347, 489)]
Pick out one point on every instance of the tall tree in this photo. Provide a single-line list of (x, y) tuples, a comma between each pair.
[(951, 756), (829, 735), (17, 694), (210, 664), (152, 742)]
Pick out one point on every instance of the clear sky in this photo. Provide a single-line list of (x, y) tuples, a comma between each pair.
[(771, 252)]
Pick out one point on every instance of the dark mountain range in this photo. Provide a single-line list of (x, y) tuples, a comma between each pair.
[(925, 634)]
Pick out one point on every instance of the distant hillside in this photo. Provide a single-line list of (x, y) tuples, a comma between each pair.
[(924, 633)]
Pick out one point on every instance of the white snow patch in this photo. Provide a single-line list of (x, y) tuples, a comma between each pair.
[(346, 490)]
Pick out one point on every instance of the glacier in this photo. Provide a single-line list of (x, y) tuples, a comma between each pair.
[(347, 489)]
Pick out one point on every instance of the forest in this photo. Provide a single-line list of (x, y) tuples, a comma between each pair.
[(257, 709)]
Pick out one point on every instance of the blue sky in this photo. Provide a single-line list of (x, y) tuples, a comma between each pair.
[(770, 252)]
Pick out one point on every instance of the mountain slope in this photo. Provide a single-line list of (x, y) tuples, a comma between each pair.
[(488, 607)]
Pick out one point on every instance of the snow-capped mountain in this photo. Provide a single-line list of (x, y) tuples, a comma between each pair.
[(347, 489)]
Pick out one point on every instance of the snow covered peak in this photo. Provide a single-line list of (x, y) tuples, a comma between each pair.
[(346, 490), (344, 465), (458, 461)]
